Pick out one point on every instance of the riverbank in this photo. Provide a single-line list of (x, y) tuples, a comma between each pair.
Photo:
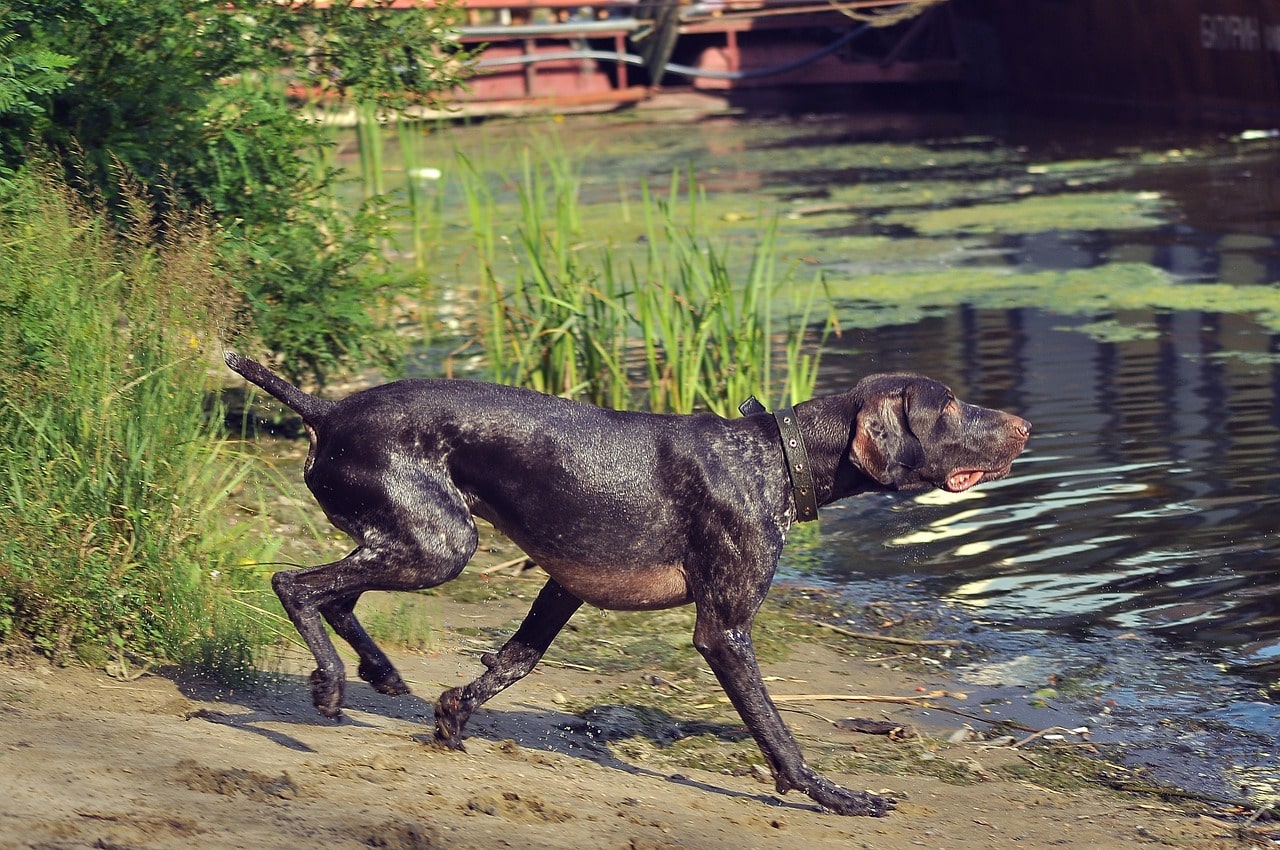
[(621, 739)]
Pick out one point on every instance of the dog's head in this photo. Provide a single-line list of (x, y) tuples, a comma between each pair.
[(911, 432)]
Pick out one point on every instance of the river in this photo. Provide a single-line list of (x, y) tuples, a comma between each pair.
[(1117, 286)]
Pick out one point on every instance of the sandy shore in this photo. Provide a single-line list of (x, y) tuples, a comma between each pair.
[(621, 741)]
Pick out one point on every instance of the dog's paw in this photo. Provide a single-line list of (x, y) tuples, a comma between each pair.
[(842, 801), (833, 798), (384, 679), (327, 694), (451, 716)]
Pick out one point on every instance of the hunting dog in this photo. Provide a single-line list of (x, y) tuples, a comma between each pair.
[(623, 510)]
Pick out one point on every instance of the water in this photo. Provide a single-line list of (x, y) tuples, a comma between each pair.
[(1135, 550), (1132, 552)]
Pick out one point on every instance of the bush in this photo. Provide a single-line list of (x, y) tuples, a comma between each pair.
[(111, 531), (191, 97)]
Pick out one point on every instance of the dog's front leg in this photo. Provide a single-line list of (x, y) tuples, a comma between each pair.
[(726, 645), (551, 610)]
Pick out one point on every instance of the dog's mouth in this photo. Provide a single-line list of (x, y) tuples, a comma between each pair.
[(965, 479)]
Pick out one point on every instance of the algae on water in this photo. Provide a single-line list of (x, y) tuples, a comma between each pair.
[(893, 298), (1079, 211)]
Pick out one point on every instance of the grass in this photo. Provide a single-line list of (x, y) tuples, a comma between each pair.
[(111, 548), (669, 326)]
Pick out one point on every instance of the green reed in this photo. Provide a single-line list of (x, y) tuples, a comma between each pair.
[(369, 144), (670, 327), (423, 206)]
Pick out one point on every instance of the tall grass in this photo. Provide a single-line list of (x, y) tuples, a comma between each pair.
[(369, 144), (670, 328), (423, 206), (111, 543)]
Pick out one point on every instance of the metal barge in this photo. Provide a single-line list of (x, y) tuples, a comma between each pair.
[(565, 55), (1202, 60)]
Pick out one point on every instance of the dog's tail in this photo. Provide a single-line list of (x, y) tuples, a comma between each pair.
[(311, 408)]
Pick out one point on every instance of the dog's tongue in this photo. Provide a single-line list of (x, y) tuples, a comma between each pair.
[(963, 479)]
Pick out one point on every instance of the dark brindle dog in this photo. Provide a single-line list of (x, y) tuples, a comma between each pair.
[(625, 511)]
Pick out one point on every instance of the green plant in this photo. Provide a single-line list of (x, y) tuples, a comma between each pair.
[(556, 323), (191, 97), (711, 341), (673, 328), (111, 539), (28, 73), (423, 206)]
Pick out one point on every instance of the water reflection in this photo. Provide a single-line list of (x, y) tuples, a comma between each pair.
[(1135, 546), (1138, 538), (1147, 499)]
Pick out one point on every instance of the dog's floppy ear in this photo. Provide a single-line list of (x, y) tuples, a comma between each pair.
[(882, 445)]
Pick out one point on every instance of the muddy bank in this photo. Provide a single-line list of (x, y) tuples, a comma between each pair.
[(621, 740)]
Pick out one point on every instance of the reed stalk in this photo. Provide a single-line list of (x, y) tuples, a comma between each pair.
[(424, 206), (670, 329), (369, 142)]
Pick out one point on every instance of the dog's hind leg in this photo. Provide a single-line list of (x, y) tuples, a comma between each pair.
[(407, 551), (375, 667), (517, 657)]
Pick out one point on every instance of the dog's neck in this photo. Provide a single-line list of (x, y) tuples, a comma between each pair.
[(827, 424)]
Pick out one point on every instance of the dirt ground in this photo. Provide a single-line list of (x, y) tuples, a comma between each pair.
[(87, 760)]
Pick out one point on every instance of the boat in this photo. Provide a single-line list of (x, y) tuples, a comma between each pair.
[(1202, 60), (569, 56)]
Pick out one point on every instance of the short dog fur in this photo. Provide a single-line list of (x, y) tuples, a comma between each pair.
[(623, 510)]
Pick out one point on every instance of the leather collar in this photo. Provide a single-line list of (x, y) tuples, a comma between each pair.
[(797, 464), (797, 457)]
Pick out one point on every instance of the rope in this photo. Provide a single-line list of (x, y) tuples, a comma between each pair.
[(887, 17)]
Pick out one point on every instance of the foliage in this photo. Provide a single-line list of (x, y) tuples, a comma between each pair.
[(669, 329), (111, 544), (191, 97), (28, 72)]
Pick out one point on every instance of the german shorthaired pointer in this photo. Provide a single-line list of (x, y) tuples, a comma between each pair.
[(624, 511)]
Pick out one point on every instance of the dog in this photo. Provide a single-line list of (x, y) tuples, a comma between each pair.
[(623, 510)]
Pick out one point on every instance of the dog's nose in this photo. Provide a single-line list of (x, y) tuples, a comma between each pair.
[(1022, 427)]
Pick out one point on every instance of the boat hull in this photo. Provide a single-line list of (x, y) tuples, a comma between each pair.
[(1217, 60)]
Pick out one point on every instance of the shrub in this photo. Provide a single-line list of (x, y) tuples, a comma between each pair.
[(111, 544), (191, 97)]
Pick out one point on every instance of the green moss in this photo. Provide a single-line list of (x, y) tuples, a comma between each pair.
[(878, 299), (1039, 213)]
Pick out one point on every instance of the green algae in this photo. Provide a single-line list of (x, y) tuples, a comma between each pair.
[(1113, 330), (877, 299), (888, 195), (1076, 167), (1082, 211)]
